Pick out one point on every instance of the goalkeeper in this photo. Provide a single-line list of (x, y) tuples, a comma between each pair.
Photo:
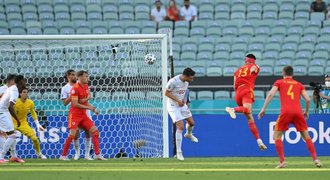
[(23, 106)]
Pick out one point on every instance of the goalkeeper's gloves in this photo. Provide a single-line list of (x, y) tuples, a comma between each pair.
[(39, 127)]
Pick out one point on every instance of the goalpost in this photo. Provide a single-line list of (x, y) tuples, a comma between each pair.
[(127, 91)]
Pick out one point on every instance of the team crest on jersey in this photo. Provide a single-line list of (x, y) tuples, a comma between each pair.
[(73, 92)]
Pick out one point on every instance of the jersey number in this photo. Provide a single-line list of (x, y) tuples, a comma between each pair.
[(243, 72), (290, 93)]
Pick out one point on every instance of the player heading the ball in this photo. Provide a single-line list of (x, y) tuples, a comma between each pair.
[(244, 79)]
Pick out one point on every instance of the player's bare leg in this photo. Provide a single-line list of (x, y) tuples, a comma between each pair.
[(311, 148), (95, 139), (76, 144), (178, 139), (279, 148), (67, 144), (10, 141), (189, 128), (252, 126), (88, 144)]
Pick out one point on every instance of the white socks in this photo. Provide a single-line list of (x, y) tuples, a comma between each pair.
[(88, 144), (76, 145), (178, 138), (11, 139), (2, 141), (189, 128)]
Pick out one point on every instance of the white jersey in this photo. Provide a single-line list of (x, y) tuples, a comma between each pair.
[(65, 93), (3, 89), (10, 95), (178, 89)]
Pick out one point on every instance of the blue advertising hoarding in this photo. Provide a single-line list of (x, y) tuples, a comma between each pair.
[(218, 135)]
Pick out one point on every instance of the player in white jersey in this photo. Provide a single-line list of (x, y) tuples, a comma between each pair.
[(7, 102), (177, 108), (70, 75)]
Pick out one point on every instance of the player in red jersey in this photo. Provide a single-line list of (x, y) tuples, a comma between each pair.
[(244, 79), (291, 113), (78, 116)]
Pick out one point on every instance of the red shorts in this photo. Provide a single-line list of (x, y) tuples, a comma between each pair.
[(81, 121), (285, 119), (244, 95)]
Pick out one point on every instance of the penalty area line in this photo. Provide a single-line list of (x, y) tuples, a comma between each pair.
[(159, 170)]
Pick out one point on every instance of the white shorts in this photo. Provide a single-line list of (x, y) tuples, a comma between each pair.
[(6, 124), (179, 113)]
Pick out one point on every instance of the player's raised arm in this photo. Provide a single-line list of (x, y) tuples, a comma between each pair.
[(269, 97), (308, 103)]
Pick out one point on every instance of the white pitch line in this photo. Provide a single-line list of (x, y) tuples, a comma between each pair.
[(146, 163), (161, 170)]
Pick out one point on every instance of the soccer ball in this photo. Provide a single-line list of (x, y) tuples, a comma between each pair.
[(150, 59)]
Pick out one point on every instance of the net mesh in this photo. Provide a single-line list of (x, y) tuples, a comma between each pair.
[(126, 90)]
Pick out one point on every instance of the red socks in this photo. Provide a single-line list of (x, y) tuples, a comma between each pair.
[(242, 109), (311, 148), (254, 130), (67, 145), (95, 140), (280, 149)]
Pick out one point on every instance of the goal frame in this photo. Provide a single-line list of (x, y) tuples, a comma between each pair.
[(164, 63)]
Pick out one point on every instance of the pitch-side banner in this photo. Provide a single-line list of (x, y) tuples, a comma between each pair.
[(219, 135)]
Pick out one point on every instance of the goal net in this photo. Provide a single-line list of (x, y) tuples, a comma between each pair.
[(127, 91)]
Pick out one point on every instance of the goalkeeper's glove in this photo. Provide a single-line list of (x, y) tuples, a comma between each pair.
[(39, 127)]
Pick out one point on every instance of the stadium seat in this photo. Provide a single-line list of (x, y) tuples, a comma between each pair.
[(283, 62), (287, 54), (321, 55), (213, 32), (317, 16), (204, 56), (318, 63), (205, 95), (188, 56), (301, 16), (270, 55), (192, 95), (315, 71), (269, 15), (228, 71), (197, 32), (304, 54), (266, 71), (221, 95), (300, 70), (214, 71)]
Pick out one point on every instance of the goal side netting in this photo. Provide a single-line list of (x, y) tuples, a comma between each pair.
[(127, 91)]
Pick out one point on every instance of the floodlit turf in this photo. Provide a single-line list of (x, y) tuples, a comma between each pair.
[(246, 168)]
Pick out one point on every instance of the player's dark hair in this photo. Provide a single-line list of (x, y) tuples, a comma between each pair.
[(188, 72), (68, 72), (19, 78), (81, 72), (251, 56), (11, 77), (22, 89), (288, 70)]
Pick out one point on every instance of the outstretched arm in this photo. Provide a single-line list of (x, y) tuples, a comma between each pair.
[(267, 101), (308, 103)]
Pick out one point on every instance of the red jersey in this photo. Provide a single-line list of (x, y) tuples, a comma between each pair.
[(244, 76), (290, 92), (78, 92)]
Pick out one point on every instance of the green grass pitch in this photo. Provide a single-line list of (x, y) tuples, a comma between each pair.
[(246, 168)]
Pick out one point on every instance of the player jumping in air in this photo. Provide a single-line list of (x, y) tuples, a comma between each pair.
[(78, 116), (244, 79), (70, 75), (291, 113), (7, 102), (22, 108), (177, 108)]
